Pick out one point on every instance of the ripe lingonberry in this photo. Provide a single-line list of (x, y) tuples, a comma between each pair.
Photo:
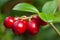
[(39, 20), (19, 27), (8, 22), (33, 27)]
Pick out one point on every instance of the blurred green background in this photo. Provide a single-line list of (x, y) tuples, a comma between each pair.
[(45, 33)]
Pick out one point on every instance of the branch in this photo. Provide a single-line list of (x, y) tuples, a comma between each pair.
[(56, 30)]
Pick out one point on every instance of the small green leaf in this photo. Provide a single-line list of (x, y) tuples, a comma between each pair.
[(50, 7), (25, 7), (46, 17), (57, 17)]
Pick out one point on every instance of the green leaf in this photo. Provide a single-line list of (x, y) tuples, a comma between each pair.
[(57, 17), (46, 17), (25, 7), (50, 7)]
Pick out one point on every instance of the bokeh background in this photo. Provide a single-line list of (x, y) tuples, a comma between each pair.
[(45, 33)]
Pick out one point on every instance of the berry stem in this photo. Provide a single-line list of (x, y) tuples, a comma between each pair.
[(57, 31)]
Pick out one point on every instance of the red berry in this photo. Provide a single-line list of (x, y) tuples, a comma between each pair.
[(39, 20), (33, 27), (8, 22), (19, 27)]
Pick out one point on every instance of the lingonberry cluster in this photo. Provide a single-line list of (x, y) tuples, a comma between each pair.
[(20, 25)]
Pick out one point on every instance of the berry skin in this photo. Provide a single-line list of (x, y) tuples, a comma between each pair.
[(39, 20), (8, 22), (19, 27), (33, 27)]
